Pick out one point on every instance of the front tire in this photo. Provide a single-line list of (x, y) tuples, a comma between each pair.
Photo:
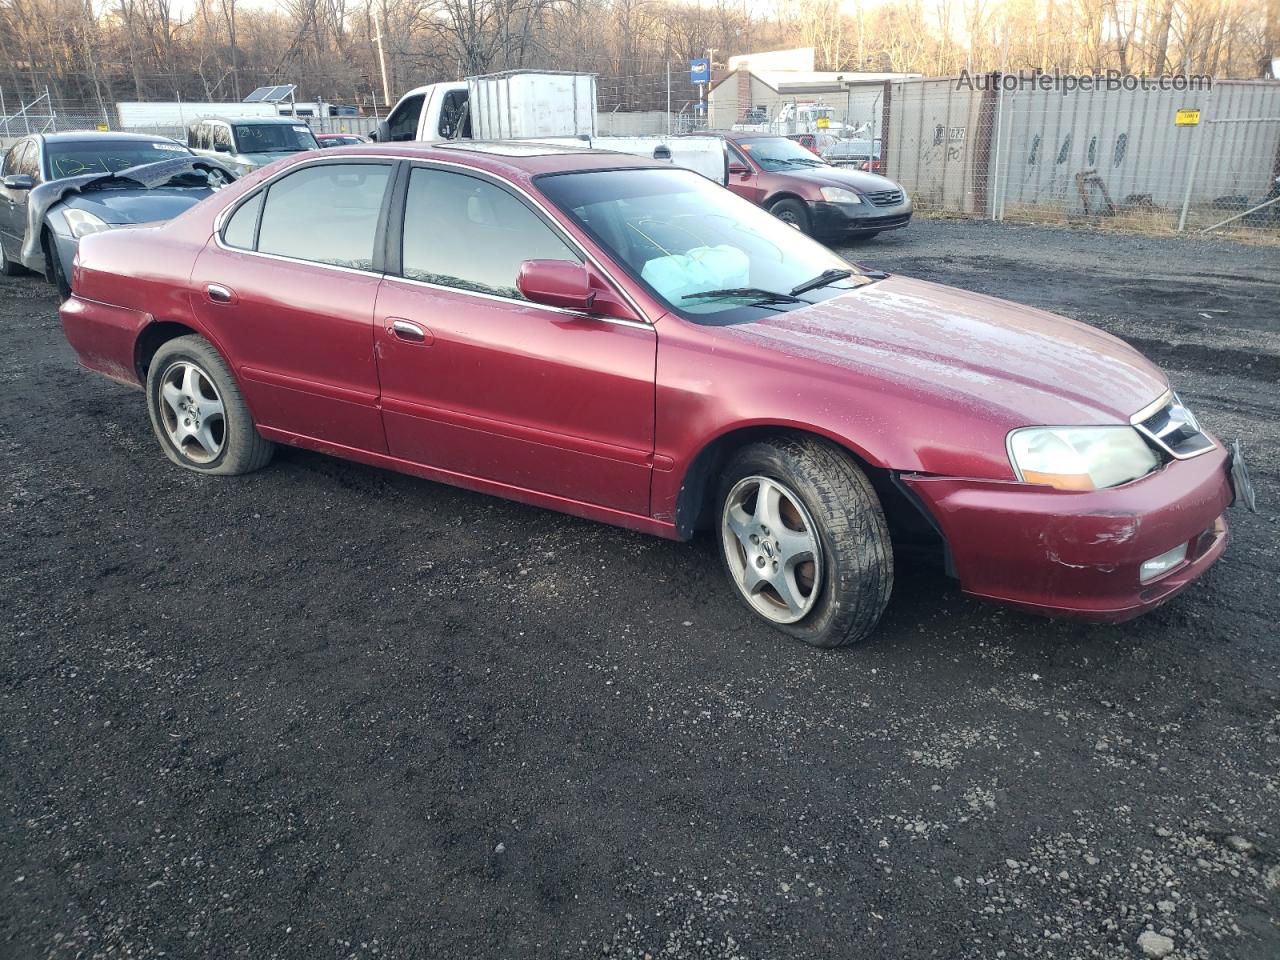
[(198, 413), (7, 267), (53, 268), (804, 540), (793, 213)]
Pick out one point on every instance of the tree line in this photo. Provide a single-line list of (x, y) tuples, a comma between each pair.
[(100, 52)]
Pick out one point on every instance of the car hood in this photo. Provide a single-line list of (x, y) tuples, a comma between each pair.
[(1010, 364), (842, 177), (262, 159), (140, 196), (137, 206)]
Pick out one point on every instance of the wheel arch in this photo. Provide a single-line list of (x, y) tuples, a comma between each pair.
[(910, 523), (772, 199), (154, 336)]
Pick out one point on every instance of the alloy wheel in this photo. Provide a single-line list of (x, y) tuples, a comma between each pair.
[(192, 412), (772, 546)]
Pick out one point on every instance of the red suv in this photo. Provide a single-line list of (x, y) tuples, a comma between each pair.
[(802, 189), (623, 340)]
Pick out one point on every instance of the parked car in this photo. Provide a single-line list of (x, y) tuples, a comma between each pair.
[(860, 154), (340, 139), (807, 192), (57, 188), (638, 345), (252, 142)]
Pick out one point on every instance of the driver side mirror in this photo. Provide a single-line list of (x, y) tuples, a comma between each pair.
[(739, 170), (222, 148), (556, 283), (20, 181)]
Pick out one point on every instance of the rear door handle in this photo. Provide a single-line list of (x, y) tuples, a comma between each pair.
[(219, 294), (408, 330)]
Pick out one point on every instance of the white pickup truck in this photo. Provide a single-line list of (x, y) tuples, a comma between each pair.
[(545, 105)]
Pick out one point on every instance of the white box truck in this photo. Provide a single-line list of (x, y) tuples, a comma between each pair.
[(547, 105)]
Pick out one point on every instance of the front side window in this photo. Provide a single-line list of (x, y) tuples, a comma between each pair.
[(326, 213), (10, 164), (274, 137), (219, 133), (779, 153), (403, 122), (707, 253), (461, 231), (107, 156)]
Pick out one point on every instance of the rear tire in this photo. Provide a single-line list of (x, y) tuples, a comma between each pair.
[(839, 589), (793, 213), (198, 413)]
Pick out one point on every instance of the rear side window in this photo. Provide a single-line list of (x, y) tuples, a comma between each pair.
[(243, 224), (464, 232), (326, 213)]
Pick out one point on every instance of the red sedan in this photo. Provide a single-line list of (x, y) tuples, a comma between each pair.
[(626, 341)]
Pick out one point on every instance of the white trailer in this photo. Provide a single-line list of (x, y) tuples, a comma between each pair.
[(183, 113), (545, 105)]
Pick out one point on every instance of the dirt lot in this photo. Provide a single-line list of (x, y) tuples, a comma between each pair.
[(326, 711)]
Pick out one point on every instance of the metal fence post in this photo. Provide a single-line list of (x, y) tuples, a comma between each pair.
[(998, 181), (1191, 176)]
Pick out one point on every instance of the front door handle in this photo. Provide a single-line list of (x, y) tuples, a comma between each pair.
[(219, 294), (408, 330)]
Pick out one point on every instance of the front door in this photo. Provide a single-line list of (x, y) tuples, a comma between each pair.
[(288, 292), (22, 158), (746, 182), (480, 382)]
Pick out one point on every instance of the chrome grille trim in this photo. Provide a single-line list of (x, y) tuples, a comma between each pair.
[(1171, 428), (884, 198)]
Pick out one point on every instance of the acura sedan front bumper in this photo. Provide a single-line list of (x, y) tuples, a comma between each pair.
[(1082, 555)]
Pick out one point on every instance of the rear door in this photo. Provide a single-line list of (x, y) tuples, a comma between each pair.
[(478, 381), (287, 289)]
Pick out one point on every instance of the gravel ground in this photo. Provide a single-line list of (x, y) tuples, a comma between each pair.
[(328, 711)]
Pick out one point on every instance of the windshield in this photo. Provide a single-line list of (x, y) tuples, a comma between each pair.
[(779, 153), (274, 137), (689, 240), (108, 156)]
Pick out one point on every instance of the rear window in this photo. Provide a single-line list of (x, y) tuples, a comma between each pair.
[(108, 156)]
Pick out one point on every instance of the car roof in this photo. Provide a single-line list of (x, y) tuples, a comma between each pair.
[(88, 136), (515, 159), (244, 120)]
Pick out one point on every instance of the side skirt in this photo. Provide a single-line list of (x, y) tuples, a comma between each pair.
[(617, 518)]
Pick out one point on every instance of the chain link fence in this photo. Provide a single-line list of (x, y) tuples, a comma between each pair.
[(1154, 161)]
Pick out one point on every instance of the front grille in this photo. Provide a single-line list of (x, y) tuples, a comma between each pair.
[(885, 198), (1173, 428)]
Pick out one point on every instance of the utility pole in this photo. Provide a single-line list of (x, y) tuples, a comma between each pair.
[(668, 98), (382, 61)]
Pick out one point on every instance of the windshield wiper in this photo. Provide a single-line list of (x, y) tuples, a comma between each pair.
[(755, 293), (822, 279)]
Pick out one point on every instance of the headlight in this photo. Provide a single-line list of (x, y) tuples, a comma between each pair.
[(839, 195), (1080, 458), (82, 223)]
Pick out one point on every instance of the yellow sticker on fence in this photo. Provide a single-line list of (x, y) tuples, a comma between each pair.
[(1186, 118), (823, 123), (103, 128)]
